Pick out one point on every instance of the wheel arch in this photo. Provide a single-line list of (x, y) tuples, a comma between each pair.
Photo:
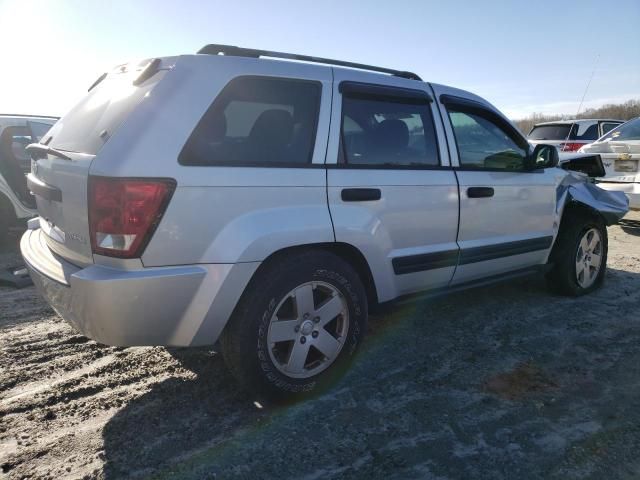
[(347, 252), (572, 208), (575, 207)]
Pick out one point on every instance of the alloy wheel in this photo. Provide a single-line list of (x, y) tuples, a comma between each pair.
[(589, 258), (308, 329)]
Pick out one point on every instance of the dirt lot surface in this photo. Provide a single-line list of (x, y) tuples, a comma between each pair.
[(504, 381)]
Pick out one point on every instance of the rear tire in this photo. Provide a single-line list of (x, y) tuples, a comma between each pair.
[(297, 326), (579, 256)]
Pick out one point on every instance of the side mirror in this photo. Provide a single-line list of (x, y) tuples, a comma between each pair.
[(544, 156)]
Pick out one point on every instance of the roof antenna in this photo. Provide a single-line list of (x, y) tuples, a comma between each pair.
[(588, 84), (582, 100)]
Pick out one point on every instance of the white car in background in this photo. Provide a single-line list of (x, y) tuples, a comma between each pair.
[(571, 135), (16, 132), (620, 153)]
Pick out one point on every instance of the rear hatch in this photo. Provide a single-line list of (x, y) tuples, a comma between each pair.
[(60, 184), (566, 137)]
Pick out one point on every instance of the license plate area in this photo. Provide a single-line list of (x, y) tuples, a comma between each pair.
[(626, 165)]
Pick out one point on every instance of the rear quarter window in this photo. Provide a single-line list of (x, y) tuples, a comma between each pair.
[(257, 121)]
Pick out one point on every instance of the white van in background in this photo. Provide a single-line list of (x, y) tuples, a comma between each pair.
[(16, 132)]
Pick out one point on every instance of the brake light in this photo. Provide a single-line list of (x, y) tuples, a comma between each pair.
[(571, 147), (124, 213)]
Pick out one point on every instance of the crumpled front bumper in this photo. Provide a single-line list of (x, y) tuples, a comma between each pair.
[(172, 306)]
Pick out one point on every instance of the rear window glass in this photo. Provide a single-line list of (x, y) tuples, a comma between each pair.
[(566, 131), (97, 116), (550, 132), (626, 131), (259, 121)]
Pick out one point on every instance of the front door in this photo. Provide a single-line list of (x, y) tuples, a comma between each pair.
[(507, 211)]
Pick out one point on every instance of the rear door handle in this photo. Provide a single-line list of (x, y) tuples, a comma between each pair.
[(361, 194), (480, 192)]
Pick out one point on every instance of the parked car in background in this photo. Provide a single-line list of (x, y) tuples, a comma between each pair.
[(16, 132), (570, 135), (269, 203), (620, 153)]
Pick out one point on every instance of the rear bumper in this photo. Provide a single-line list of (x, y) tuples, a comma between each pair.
[(632, 190), (172, 306)]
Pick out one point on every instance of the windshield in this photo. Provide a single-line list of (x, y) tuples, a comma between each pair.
[(550, 132), (626, 131)]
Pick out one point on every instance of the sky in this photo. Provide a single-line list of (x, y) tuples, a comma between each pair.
[(522, 56)]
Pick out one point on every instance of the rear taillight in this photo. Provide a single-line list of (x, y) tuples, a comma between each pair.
[(570, 146), (124, 213)]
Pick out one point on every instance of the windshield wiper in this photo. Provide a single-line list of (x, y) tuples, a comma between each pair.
[(45, 149)]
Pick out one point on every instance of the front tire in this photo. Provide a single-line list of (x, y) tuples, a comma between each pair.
[(297, 326), (580, 255)]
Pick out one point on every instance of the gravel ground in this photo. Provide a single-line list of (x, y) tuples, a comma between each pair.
[(504, 381)]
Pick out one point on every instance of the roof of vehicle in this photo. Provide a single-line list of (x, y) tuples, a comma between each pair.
[(231, 50), (18, 115), (578, 120)]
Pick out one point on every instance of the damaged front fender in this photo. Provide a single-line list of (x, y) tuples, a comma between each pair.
[(578, 187)]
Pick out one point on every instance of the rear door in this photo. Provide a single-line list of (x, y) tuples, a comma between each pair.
[(506, 212), (60, 184), (391, 191)]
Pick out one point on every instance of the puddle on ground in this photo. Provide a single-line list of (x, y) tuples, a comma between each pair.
[(523, 380)]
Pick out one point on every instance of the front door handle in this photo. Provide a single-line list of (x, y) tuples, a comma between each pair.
[(480, 192), (361, 194)]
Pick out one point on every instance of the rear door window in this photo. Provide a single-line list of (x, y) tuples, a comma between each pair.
[(380, 130), (257, 121)]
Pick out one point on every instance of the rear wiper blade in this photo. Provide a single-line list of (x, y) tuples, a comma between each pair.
[(45, 149)]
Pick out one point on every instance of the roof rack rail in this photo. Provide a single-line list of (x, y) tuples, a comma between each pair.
[(214, 49)]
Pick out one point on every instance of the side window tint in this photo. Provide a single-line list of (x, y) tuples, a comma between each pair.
[(39, 129), (584, 131), (483, 144), (607, 127), (384, 132), (257, 121), (16, 138)]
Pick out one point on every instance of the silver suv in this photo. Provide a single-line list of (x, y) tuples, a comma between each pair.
[(271, 203)]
